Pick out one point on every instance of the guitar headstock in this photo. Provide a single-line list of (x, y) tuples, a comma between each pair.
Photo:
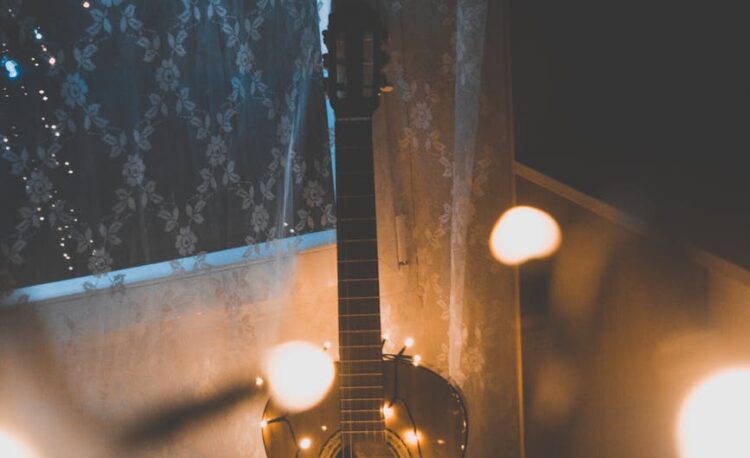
[(355, 39)]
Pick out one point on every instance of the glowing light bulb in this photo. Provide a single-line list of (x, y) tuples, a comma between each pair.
[(299, 374), (409, 342), (416, 359), (412, 437), (12, 447), (52, 60), (305, 443), (714, 421), (523, 233), (11, 67), (387, 412), (85, 4), (259, 381), (263, 424)]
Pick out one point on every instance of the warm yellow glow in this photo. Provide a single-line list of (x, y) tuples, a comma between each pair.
[(416, 360), (12, 447), (387, 412), (412, 437), (86, 4), (299, 374), (263, 424), (409, 342), (715, 419), (258, 381), (305, 443), (523, 233), (327, 345), (324, 428)]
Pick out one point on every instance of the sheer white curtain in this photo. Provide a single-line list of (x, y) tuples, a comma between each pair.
[(444, 152)]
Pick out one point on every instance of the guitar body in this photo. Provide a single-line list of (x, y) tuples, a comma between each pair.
[(435, 405)]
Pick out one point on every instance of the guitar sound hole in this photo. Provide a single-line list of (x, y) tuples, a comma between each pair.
[(394, 447)]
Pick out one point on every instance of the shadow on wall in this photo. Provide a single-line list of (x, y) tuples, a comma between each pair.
[(164, 368)]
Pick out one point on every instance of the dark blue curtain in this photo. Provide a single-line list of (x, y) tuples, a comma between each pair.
[(137, 131)]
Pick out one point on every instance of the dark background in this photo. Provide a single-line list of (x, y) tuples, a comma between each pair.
[(643, 105)]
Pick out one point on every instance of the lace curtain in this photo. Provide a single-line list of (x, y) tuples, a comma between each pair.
[(444, 150), (443, 146), (143, 131)]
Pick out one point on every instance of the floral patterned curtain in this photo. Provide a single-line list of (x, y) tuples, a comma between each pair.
[(444, 145), (142, 131)]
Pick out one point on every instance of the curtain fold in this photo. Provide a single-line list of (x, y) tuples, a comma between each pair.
[(447, 154)]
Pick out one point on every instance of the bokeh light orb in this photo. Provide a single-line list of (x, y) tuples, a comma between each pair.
[(714, 421), (524, 233), (13, 447), (299, 374)]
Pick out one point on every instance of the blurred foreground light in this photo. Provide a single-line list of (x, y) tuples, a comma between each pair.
[(299, 374), (523, 233), (11, 447), (715, 419)]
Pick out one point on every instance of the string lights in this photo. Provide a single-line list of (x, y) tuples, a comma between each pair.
[(295, 355), (36, 166)]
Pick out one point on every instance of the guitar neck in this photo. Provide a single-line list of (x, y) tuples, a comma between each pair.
[(361, 373)]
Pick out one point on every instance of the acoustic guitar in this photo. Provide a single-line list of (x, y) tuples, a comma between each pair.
[(381, 405)]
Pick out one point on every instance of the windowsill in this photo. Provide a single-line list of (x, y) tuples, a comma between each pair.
[(150, 273)]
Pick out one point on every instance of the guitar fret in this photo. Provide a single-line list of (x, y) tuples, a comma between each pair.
[(359, 119), (341, 173), (355, 219), (340, 196)]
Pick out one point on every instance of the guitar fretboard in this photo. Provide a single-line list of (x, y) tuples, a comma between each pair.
[(361, 371)]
